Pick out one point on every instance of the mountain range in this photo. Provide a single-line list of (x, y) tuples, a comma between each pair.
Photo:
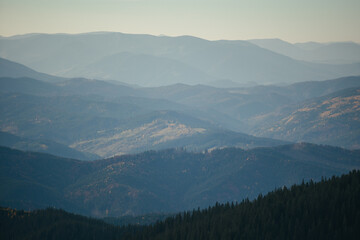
[(106, 119), (140, 127), (333, 53), (16, 70), (93, 124), (154, 61)]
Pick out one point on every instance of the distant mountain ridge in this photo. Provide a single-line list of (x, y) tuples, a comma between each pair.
[(16, 70), (187, 59), (331, 53), (141, 69)]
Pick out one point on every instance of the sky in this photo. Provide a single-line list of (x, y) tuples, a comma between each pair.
[(289, 20)]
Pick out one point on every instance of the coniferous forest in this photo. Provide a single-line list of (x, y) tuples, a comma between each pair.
[(329, 209)]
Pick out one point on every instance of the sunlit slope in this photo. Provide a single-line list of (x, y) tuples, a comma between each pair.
[(332, 119)]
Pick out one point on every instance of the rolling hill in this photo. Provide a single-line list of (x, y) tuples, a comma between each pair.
[(237, 108), (304, 211), (115, 116), (129, 124), (163, 181), (108, 119)]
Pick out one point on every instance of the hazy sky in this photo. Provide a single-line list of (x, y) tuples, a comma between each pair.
[(290, 20)]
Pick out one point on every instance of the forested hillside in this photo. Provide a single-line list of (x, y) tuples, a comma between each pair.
[(162, 181), (325, 210), (329, 209)]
